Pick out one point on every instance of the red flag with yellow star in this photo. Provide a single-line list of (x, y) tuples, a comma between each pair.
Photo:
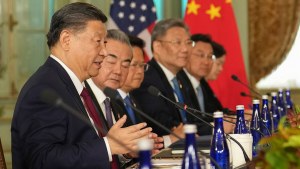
[(216, 17)]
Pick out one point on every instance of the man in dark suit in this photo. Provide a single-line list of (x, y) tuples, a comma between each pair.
[(133, 80), (199, 65), (171, 44), (217, 67), (113, 74), (46, 136)]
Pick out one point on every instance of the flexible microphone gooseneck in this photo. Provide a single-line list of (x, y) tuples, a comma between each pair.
[(235, 78), (51, 97), (248, 95), (113, 94), (154, 91)]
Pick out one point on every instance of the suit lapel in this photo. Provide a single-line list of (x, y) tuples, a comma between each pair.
[(65, 78), (96, 103)]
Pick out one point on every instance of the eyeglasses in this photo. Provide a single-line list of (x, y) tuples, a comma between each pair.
[(143, 66), (202, 55), (178, 43)]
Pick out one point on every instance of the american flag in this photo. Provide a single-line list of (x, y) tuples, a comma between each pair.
[(135, 17)]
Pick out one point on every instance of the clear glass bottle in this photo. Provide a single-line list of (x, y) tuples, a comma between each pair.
[(240, 125), (274, 111), (266, 121), (145, 146), (255, 126), (190, 158), (219, 149)]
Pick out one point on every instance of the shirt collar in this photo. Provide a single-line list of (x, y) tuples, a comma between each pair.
[(170, 76), (194, 81), (122, 93), (100, 96)]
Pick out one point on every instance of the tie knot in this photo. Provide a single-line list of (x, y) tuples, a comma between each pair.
[(106, 101), (84, 92), (174, 80)]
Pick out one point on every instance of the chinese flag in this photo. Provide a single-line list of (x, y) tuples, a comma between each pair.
[(216, 17)]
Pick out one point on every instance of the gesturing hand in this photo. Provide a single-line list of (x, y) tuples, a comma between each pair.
[(124, 140)]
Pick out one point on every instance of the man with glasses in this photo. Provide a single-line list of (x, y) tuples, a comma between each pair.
[(113, 72), (199, 65), (134, 79), (171, 45)]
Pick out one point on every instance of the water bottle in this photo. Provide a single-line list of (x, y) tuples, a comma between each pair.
[(145, 146), (240, 125), (266, 121), (288, 100), (219, 149), (255, 126), (281, 103), (275, 112), (190, 159)]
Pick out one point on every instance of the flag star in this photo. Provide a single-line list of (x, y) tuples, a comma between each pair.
[(214, 11), (121, 15), (130, 28), (142, 18), (144, 7), (228, 1), (131, 16), (153, 9), (132, 4), (122, 3), (193, 8)]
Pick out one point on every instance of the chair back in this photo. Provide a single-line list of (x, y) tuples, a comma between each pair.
[(2, 159)]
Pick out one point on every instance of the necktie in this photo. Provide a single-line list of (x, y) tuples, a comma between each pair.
[(129, 109), (200, 98), (89, 105), (108, 112), (91, 109), (178, 93)]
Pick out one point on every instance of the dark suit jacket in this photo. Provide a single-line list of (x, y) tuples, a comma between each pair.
[(156, 107), (119, 107), (212, 103), (192, 101), (48, 137)]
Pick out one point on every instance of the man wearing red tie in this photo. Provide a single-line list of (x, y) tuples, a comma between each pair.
[(46, 136)]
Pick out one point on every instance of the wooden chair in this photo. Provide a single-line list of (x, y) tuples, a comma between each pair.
[(2, 159)]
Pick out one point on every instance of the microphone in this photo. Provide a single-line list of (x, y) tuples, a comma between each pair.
[(51, 97), (248, 95), (113, 94), (235, 78), (154, 91)]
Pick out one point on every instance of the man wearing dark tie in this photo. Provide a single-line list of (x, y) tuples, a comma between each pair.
[(112, 74), (198, 66), (133, 80), (171, 44), (45, 136)]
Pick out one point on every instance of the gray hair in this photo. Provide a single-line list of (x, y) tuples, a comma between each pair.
[(163, 26), (118, 35)]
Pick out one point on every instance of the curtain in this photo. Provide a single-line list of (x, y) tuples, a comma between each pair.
[(273, 26)]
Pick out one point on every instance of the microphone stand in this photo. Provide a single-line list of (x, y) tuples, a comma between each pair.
[(113, 95), (247, 159), (235, 78)]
